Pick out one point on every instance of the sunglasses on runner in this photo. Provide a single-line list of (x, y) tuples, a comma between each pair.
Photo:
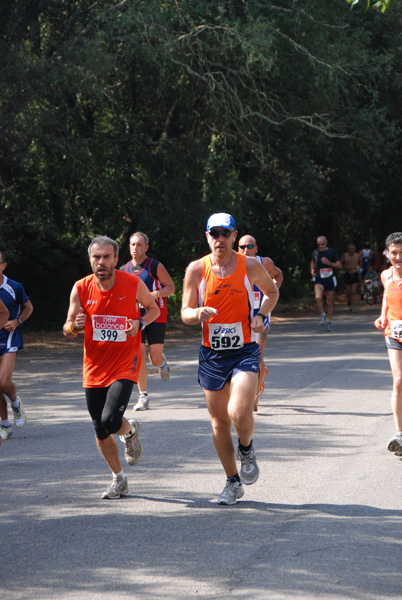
[(249, 246), (215, 233)]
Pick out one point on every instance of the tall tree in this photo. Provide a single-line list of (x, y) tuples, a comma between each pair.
[(119, 116)]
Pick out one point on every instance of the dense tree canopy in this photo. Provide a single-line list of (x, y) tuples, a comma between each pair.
[(126, 115), (380, 4)]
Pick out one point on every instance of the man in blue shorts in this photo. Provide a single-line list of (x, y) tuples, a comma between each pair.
[(218, 293), (13, 295), (323, 261)]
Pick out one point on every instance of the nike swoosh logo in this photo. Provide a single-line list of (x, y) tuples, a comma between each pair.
[(122, 298)]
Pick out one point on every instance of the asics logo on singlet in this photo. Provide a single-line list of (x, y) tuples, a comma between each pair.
[(92, 302), (224, 330)]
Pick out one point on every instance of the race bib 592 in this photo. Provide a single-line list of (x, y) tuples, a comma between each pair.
[(396, 330), (225, 336)]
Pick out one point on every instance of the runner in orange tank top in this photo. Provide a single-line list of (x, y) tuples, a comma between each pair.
[(232, 297), (390, 321), (218, 294), (105, 305)]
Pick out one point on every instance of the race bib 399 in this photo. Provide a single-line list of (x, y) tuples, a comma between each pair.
[(107, 328)]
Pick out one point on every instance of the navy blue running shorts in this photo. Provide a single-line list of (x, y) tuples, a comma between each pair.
[(328, 283), (218, 367), (392, 343)]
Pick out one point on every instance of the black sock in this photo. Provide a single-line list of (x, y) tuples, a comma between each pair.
[(235, 477), (245, 448)]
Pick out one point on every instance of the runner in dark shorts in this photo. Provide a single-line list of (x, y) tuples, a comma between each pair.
[(218, 294), (351, 278), (217, 368), (323, 261)]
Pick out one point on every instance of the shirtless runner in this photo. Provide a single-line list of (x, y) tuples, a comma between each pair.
[(351, 262)]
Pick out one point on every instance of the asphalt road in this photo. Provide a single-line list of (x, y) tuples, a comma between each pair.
[(323, 520)]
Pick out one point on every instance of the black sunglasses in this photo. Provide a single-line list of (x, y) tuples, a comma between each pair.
[(249, 246), (215, 233)]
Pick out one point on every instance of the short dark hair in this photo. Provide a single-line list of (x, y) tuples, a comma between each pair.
[(103, 240), (393, 238), (140, 234)]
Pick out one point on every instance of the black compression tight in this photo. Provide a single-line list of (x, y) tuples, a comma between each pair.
[(107, 405)]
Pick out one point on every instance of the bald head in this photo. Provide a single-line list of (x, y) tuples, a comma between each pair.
[(245, 241), (322, 242)]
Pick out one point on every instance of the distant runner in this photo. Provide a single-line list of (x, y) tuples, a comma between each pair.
[(323, 261), (20, 308), (160, 284), (248, 247)]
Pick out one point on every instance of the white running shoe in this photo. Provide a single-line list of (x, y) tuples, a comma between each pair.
[(323, 318), (232, 492), (20, 417), (164, 370), (132, 445), (249, 471), (395, 444), (5, 432), (117, 489), (142, 403)]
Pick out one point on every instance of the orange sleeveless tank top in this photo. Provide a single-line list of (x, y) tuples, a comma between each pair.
[(394, 313), (233, 297), (109, 353)]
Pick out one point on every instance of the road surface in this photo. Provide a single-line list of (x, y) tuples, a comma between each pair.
[(324, 520)]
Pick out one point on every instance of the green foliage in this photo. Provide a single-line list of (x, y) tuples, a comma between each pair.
[(174, 301), (117, 117), (379, 4)]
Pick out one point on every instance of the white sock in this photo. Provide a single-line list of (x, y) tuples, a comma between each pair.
[(16, 403), (130, 433), (6, 423), (117, 475)]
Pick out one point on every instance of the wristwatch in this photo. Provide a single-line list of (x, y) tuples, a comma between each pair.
[(142, 324), (19, 320)]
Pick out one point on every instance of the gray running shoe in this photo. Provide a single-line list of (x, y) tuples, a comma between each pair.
[(323, 318), (20, 417), (395, 444), (132, 445), (143, 403), (5, 432), (328, 325), (164, 370), (117, 489), (249, 471), (232, 492)]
